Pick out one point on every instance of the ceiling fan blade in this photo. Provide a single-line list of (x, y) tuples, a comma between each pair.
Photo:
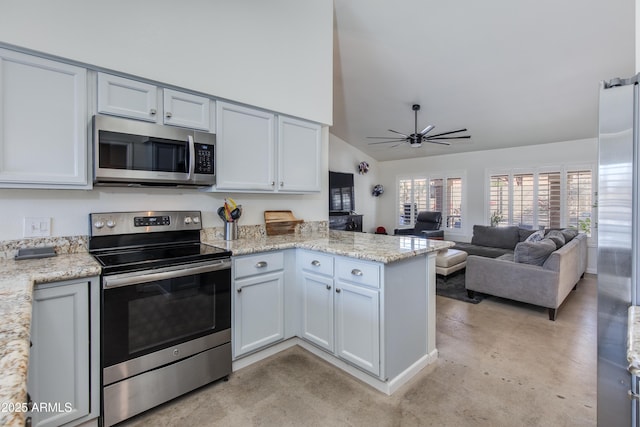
[(435, 141), (399, 133), (397, 145), (382, 137), (384, 142), (427, 129), (448, 133), (431, 138)]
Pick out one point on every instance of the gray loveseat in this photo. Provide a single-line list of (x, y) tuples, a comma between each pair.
[(521, 273)]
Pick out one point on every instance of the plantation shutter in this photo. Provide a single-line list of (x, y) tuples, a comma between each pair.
[(499, 199), (549, 199)]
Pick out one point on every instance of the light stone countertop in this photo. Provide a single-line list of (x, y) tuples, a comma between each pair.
[(633, 339), (371, 247), (17, 279)]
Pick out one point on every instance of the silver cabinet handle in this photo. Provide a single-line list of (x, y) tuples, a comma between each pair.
[(239, 290), (273, 183), (281, 183), (315, 263), (328, 287), (153, 111), (338, 290), (261, 264), (168, 114), (356, 272)]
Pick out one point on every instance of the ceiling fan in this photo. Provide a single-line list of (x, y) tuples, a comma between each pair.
[(416, 139)]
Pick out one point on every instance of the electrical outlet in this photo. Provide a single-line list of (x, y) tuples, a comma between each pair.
[(37, 227)]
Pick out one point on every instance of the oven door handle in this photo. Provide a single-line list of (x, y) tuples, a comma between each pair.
[(118, 280)]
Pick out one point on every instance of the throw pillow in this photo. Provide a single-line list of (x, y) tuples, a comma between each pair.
[(557, 237), (495, 237), (534, 253), (569, 234), (536, 236)]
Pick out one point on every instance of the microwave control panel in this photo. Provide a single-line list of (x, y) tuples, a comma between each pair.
[(204, 159)]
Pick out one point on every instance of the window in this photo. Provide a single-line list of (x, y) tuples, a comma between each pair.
[(413, 199), (454, 203), (499, 200), (523, 205), (433, 194), (579, 200), (549, 200), (542, 199)]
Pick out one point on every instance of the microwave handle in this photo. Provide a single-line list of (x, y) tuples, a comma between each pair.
[(192, 159)]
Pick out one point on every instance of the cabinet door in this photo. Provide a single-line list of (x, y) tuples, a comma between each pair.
[(187, 110), (358, 326), (245, 146), (43, 122), (127, 98), (258, 312), (299, 155), (317, 310), (59, 358)]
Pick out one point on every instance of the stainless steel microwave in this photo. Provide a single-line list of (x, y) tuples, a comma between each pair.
[(134, 153)]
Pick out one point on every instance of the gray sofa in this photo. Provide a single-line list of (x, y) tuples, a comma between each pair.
[(522, 273)]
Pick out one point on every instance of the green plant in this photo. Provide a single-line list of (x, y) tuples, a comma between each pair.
[(496, 218), (584, 225)]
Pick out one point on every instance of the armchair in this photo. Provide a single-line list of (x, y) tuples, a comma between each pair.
[(427, 225)]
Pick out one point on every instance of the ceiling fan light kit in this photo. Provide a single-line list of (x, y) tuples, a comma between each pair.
[(416, 139)]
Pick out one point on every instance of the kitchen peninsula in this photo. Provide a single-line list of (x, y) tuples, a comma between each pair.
[(363, 302), (376, 292)]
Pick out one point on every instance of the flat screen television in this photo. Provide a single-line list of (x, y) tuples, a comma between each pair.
[(341, 194)]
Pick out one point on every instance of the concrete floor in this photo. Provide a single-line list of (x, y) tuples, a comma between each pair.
[(500, 364)]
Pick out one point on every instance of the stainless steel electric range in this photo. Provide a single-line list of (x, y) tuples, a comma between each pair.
[(166, 308)]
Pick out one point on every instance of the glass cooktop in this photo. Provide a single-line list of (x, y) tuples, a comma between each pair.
[(120, 260)]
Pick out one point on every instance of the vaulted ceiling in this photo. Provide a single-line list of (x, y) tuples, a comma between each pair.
[(513, 73)]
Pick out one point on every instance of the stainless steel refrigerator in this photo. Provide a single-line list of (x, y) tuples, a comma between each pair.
[(617, 207)]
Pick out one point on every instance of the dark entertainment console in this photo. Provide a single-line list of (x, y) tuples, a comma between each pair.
[(345, 222)]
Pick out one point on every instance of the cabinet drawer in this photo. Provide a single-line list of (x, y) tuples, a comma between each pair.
[(359, 272), (257, 264), (316, 262)]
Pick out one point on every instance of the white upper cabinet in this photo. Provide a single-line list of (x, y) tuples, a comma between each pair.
[(245, 148), (43, 123), (127, 98), (137, 100), (187, 110), (299, 155)]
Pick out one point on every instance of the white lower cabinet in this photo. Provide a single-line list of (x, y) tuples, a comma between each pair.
[(357, 312), (341, 310), (63, 375), (258, 301), (317, 310)]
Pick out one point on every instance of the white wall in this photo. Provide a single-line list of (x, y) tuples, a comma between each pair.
[(475, 166), (346, 158), (276, 55), (273, 54)]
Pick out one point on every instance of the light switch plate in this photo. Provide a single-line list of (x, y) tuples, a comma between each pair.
[(37, 227)]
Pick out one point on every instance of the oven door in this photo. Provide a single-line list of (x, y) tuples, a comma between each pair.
[(157, 317)]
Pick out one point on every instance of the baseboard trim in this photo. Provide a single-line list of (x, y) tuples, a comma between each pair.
[(387, 387)]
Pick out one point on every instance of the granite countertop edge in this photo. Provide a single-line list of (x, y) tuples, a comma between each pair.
[(369, 247), (17, 280)]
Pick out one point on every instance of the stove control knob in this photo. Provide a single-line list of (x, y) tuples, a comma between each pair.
[(196, 219), (98, 224), (187, 220), (111, 223)]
